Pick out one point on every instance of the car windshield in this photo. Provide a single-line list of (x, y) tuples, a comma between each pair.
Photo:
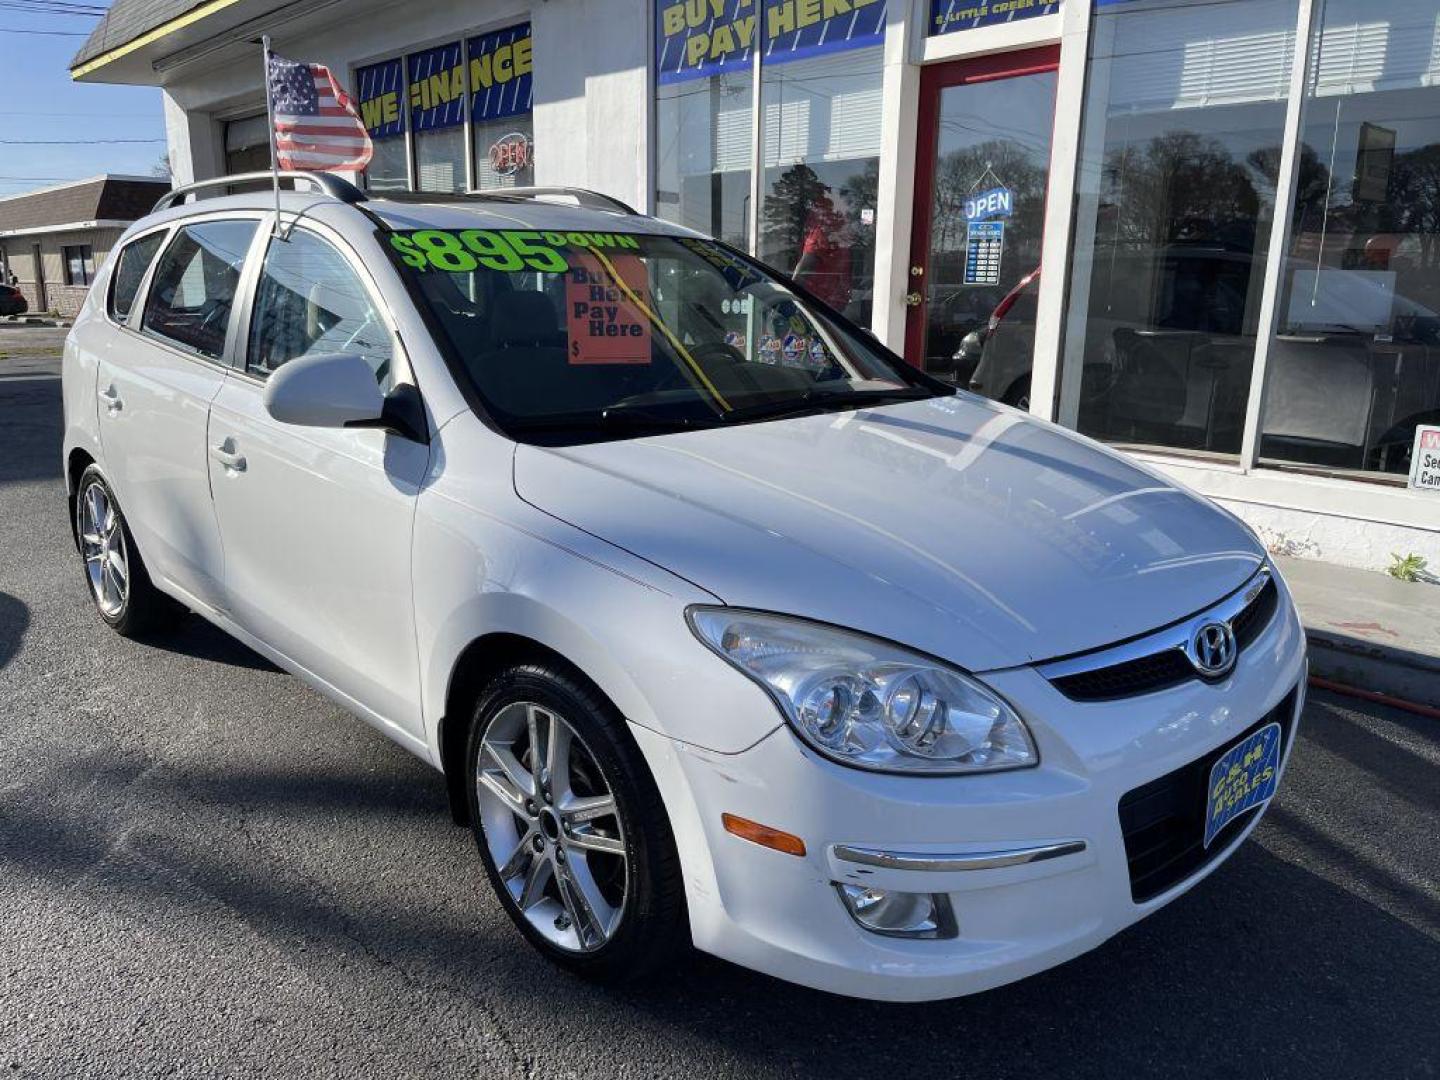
[(571, 337)]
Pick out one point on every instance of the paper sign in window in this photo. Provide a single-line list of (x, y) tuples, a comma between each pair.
[(605, 326)]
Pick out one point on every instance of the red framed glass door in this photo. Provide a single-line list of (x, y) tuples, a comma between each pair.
[(981, 171)]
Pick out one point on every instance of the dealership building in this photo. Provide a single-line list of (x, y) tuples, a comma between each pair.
[(1204, 231)]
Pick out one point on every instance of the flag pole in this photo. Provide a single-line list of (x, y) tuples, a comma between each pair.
[(270, 118)]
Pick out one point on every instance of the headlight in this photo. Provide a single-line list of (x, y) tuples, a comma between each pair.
[(866, 703)]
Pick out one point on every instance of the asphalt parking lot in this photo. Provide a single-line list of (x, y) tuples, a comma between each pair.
[(207, 870)]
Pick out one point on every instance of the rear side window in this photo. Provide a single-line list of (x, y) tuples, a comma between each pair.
[(310, 302), (194, 285), (134, 260)]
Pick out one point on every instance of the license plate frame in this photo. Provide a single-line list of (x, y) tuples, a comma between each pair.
[(1243, 777)]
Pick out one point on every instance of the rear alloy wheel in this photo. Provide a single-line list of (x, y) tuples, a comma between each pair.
[(102, 543), (570, 826), (118, 581)]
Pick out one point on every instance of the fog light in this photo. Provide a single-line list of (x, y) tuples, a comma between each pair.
[(899, 914)]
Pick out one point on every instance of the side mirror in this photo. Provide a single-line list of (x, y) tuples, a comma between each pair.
[(332, 390)]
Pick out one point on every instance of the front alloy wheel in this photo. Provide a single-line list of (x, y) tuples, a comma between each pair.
[(570, 825), (552, 827)]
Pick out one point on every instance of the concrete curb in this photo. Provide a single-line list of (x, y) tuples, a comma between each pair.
[(1379, 669)]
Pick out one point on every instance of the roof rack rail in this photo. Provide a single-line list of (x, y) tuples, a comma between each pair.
[(593, 200), (326, 183)]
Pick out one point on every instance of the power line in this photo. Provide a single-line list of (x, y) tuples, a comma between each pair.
[(46, 33), (71, 142), (54, 7), (94, 115)]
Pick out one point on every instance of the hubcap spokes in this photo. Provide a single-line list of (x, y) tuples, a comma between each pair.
[(552, 827), (102, 542)]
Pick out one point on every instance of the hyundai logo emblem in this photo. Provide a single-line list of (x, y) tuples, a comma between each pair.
[(1212, 649)]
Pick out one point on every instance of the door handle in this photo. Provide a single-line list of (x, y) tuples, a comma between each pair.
[(227, 457), (111, 397), (913, 299)]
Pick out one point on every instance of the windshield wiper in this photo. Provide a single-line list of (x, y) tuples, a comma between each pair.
[(824, 400), (617, 419)]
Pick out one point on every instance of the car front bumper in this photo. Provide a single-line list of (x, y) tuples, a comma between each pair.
[(1033, 862)]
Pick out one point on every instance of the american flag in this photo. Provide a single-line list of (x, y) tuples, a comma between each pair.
[(316, 127)]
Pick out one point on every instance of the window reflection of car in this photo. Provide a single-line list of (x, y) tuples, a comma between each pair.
[(1166, 347), (954, 314), (1169, 353), (991, 375)]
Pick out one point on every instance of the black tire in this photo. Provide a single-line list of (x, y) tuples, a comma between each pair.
[(1019, 394), (143, 608), (653, 923)]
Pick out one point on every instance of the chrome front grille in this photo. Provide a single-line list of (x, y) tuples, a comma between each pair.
[(1165, 657)]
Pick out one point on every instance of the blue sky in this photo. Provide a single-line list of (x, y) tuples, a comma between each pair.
[(38, 100)]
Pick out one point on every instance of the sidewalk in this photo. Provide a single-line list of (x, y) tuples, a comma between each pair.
[(1367, 630), (35, 320)]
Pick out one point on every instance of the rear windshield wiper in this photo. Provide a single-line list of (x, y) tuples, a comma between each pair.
[(823, 400)]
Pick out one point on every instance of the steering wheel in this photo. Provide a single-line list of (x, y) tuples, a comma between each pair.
[(715, 357), (721, 350)]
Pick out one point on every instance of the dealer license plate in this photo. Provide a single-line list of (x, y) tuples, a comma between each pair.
[(1244, 777)]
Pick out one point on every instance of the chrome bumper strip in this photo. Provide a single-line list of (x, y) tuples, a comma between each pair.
[(975, 860)]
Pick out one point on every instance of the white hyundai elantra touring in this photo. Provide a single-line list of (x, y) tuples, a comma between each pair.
[(721, 622)]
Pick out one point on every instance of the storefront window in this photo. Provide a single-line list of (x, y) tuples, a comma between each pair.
[(703, 130), (1180, 147), (380, 97), (247, 144), (704, 115), (437, 117), (820, 138), (501, 66), (819, 133), (1355, 364)]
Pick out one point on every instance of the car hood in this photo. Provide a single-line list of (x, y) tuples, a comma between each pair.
[(953, 525)]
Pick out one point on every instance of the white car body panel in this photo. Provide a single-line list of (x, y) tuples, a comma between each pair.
[(1014, 920), (852, 519), (153, 436), (370, 565), (317, 528), (618, 618)]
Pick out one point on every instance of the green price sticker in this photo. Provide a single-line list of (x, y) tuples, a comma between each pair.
[(506, 250)]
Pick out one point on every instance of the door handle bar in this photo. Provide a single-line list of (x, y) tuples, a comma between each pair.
[(228, 458)]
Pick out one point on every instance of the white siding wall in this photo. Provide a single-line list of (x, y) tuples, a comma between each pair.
[(591, 83)]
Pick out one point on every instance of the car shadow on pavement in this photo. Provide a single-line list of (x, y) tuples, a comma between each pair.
[(193, 636), (14, 621), (1266, 964)]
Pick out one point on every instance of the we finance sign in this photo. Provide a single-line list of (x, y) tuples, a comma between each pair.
[(695, 38)]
